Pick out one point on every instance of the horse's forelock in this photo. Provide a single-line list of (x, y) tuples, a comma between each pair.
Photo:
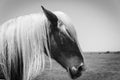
[(68, 24)]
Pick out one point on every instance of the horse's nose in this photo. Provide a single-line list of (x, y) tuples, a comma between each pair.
[(81, 67), (76, 71)]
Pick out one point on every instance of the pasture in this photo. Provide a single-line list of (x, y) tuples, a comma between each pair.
[(100, 66)]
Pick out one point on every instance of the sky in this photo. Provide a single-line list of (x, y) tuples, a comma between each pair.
[(97, 22)]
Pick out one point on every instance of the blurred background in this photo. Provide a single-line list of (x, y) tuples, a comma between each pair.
[(97, 22)]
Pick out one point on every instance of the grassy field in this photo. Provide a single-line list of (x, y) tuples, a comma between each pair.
[(100, 66)]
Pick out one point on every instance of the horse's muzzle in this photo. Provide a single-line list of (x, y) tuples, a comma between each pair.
[(76, 72)]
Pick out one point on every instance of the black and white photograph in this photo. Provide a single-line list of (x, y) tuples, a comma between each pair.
[(59, 39)]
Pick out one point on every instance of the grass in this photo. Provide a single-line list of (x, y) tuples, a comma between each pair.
[(99, 66), (102, 67)]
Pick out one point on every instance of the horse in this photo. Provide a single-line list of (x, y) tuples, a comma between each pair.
[(26, 40)]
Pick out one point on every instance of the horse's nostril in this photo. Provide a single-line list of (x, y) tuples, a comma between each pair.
[(81, 67), (74, 72), (74, 69)]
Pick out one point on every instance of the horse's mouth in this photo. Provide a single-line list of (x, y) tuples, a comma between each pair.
[(75, 73)]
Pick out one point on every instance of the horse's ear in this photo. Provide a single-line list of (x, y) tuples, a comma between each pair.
[(50, 16)]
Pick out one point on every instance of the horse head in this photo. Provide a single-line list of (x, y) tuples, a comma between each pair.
[(64, 47)]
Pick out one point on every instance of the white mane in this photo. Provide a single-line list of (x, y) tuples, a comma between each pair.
[(25, 38)]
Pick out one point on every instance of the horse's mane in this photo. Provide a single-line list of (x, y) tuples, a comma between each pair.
[(22, 44)]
